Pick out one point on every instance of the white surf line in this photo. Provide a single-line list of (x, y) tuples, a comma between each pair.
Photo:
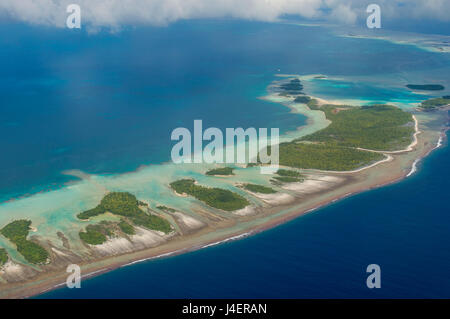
[(94, 272), (185, 249), (154, 257), (82, 277), (410, 146), (228, 239), (413, 168), (414, 165), (439, 142)]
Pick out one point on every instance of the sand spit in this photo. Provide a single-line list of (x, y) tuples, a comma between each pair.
[(60, 253), (60, 257), (14, 272), (119, 245), (114, 246), (274, 199), (314, 184), (413, 167), (188, 221)]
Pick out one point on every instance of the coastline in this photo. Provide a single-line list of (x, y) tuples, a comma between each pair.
[(367, 180)]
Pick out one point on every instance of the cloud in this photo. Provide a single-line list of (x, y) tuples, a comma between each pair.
[(114, 14), (344, 14)]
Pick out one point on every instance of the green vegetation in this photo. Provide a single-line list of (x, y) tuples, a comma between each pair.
[(377, 127), (3, 256), (302, 99), (292, 87), (426, 87), (99, 233), (435, 103), (336, 147), (313, 104), (221, 171), (285, 179), (324, 157), (259, 189), (214, 197), (166, 209), (126, 228), (287, 176), (287, 172), (94, 234), (126, 205), (17, 233)]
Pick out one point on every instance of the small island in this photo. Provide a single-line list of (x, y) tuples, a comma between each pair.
[(214, 197), (99, 233), (302, 99), (223, 171), (17, 233), (95, 234), (166, 209), (426, 87), (287, 176), (294, 86), (435, 103), (259, 189), (126, 205)]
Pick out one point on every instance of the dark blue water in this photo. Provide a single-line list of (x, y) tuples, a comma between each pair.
[(403, 227)]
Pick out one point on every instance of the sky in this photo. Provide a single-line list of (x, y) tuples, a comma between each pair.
[(113, 15)]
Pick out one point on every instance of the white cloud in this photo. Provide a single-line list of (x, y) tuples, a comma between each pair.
[(116, 13), (344, 14)]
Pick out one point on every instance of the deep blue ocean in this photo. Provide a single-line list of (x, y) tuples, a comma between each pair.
[(107, 103)]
